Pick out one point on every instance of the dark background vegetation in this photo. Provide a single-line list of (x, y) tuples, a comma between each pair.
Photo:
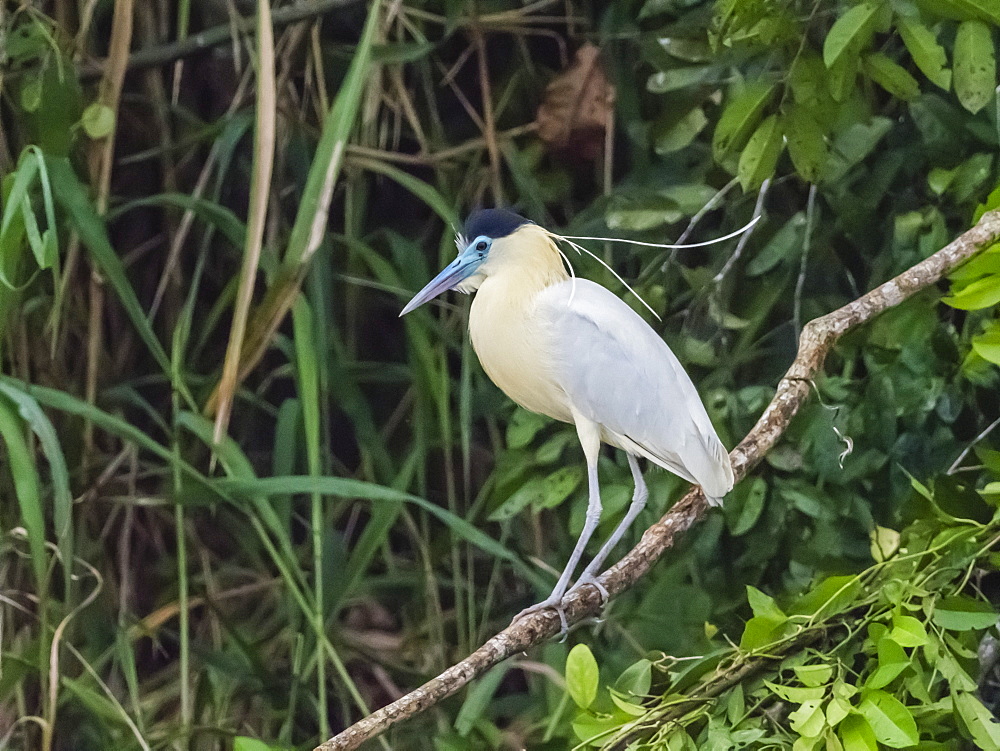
[(157, 594)]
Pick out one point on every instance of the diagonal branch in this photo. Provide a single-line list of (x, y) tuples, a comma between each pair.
[(818, 338)]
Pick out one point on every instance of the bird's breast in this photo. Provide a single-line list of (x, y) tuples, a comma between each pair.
[(515, 350)]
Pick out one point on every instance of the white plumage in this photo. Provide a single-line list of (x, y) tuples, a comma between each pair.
[(621, 375)]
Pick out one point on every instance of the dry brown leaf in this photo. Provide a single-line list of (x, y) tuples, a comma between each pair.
[(576, 112)]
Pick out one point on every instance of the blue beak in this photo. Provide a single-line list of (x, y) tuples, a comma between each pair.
[(452, 275)]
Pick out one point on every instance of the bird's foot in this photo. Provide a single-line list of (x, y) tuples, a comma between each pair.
[(550, 602), (592, 580)]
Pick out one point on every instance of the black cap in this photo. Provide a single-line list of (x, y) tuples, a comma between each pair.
[(492, 223)]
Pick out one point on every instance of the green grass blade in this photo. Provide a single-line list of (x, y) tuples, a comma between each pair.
[(208, 211), (62, 512), (310, 221), (380, 523), (238, 466), (424, 191), (342, 487), (69, 404), (72, 195), (21, 463), (307, 376)]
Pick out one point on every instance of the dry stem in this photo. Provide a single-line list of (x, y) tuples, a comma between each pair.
[(818, 338)]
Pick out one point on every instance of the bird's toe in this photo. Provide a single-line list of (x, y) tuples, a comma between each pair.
[(592, 580), (555, 604)]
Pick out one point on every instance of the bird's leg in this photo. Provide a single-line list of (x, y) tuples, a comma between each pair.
[(590, 439), (639, 497)]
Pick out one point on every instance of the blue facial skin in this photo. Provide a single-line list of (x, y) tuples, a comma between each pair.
[(485, 226), (468, 261)]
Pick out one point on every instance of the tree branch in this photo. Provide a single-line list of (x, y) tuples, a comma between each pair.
[(818, 338)]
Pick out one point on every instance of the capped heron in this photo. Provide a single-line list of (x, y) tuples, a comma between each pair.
[(570, 349)]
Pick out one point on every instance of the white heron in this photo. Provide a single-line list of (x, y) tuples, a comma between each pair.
[(570, 349)]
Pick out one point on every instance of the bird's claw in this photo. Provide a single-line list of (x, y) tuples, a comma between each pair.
[(592, 580), (555, 604)]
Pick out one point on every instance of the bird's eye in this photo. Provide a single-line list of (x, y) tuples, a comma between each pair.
[(481, 246)]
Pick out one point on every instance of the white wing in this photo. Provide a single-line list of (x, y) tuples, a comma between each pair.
[(617, 371)]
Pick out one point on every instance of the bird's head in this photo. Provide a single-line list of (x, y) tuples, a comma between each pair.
[(490, 240)]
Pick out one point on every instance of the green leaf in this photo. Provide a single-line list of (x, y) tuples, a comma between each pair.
[(764, 606), (853, 144), (781, 246), (243, 743), (808, 720), (744, 506), (987, 344), (980, 294), (797, 694), (401, 52), (523, 427), (636, 678), (665, 81), (813, 675), (974, 65), (985, 10), (540, 492), (984, 264), (828, 597), (842, 77), (979, 720), (768, 623), (760, 157), (591, 728), (907, 631), (892, 661), (850, 33), (807, 79), (960, 613), (98, 120), (837, 710), (923, 47), (31, 93), (891, 76), (892, 722), (582, 676), (856, 734), (740, 117), (640, 214), (806, 143), (689, 197), (883, 543), (681, 132)]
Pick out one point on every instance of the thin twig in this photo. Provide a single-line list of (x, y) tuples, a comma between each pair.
[(965, 452), (152, 57), (757, 211), (800, 282), (818, 338)]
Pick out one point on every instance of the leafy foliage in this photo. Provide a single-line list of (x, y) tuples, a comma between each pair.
[(884, 658)]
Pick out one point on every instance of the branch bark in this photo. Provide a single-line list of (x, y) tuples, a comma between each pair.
[(818, 338)]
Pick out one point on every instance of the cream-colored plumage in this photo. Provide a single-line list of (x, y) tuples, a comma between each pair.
[(506, 331), (570, 349)]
